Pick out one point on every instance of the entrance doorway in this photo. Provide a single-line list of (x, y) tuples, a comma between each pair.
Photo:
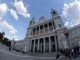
[(41, 48), (52, 43), (53, 48)]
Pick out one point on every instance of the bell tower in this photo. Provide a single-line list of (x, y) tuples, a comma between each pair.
[(62, 42), (54, 13)]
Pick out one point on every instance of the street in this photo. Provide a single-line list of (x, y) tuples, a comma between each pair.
[(5, 54)]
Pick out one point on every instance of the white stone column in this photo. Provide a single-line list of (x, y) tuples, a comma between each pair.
[(44, 28), (25, 48), (38, 44), (44, 44), (48, 26), (35, 31), (49, 44), (53, 25), (31, 31), (34, 47), (55, 43), (39, 29), (30, 45)]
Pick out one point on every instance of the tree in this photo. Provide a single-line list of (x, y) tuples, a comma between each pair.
[(3, 33), (1, 36), (6, 41)]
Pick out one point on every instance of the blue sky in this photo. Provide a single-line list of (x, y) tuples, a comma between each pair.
[(16, 14)]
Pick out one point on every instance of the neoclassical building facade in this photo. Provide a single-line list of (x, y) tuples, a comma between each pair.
[(46, 35), (74, 36), (49, 35)]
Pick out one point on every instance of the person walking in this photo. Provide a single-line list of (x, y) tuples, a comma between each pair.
[(9, 45), (77, 50), (58, 54), (72, 52)]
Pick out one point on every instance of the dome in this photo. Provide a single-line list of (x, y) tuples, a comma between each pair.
[(42, 19)]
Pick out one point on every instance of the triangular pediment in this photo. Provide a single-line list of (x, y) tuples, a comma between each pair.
[(32, 22)]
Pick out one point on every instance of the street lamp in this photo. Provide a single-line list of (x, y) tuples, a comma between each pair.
[(66, 33)]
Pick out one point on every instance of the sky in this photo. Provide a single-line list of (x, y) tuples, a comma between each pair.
[(15, 15)]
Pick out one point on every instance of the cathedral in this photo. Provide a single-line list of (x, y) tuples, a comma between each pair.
[(49, 35)]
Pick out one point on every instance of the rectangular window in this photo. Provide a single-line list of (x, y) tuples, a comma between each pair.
[(50, 26), (41, 29), (46, 27), (34, 31)]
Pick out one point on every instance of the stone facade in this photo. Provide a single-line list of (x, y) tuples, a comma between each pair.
[(19, 45), (74, 36), (49, 35)]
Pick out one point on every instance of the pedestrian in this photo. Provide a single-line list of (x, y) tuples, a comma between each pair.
[(72, 52), (9, 45), (77, 50), (9, 48), (58, 55)]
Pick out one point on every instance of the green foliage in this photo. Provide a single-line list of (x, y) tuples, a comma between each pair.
[(3, 33), (5, 41), (1, 36)]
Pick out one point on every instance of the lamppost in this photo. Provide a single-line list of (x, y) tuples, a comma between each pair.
[(66, 33), (56, 40)]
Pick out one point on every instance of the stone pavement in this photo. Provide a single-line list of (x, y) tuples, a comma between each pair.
[(5, 54), (52, 54)]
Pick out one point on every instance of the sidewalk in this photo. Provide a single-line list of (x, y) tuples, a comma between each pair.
[(50, 54), (5, 48)]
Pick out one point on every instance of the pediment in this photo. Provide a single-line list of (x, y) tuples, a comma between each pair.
[(32, 21)]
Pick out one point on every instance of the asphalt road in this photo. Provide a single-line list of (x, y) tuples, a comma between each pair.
[(5, 54)]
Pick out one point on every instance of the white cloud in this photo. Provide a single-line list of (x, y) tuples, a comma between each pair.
[(11, 36), (11, 31), (21, 9), (16, 38), (3, 10), (66, 23), (14, 14), (6, 25), (72, 12)]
